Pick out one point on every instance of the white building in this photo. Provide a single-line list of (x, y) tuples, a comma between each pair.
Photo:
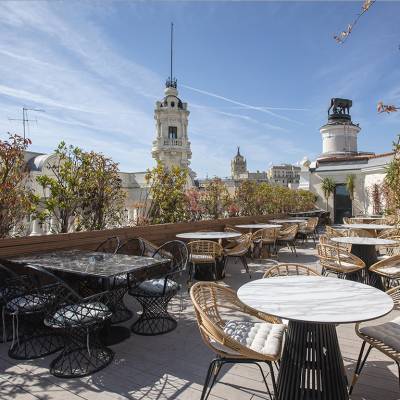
[(284, 175), (340, 158)]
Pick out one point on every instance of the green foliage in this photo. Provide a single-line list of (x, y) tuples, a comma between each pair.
[(215, 198), (328, 187), (82, 187), (392, 182), (167, 191), (16, 200)]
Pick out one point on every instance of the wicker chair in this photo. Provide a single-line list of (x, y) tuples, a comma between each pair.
[(232, 242), (324, 239), (332, 232), (309, 229), (232, 340), (386, 233), (383, 337), (239, 251), (347, 220), (362, 233), (288, 237), (204, 252), (262, 238), (388, 251), (287, 269), (389, 271), (336, 260), (155, 294)]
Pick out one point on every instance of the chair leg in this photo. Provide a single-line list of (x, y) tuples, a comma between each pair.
[(398, 371), (360, 365), (207, 381), (246, 266), (213, 372), (271, 368), (265, 381)]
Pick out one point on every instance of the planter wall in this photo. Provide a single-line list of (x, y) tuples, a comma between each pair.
[(90, 240)]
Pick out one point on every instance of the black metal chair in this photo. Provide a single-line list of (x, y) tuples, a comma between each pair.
[(155, 294), (74, 321), (27, 304), (110, 245), (11, 285)]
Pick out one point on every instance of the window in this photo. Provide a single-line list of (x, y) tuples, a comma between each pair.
[(172, 132), (172, 104)]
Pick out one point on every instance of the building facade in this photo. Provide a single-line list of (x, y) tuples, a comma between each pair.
[(284, 175)]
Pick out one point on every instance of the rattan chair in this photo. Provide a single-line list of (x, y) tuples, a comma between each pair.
[(390, 250), (155, 294), (347, 220), (262, 238), (239, 251), (324, 239), (389, 271), (384, 337), (332, 232), (204, 252), (287, 237), (231, 330), (288, 269), (335, 260), (386, 233), (234, 241), (362, 233), (309, 229)]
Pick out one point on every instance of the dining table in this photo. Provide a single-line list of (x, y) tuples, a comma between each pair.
[(252, 227), (312, 364), (365, 248), (288, 221), (105, 267)]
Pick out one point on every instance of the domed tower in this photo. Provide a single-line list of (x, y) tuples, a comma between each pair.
[(171, 146), (339, 135), (238, 165)]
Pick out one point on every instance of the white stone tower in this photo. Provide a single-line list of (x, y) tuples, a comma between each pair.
[(172, 146), (339, 135), (238, 165)]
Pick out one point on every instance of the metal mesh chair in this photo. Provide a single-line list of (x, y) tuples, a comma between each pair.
[(289, 269), (155, 294), (204, 252), (233, 331), (110, 245), (239, 251), (383, 337), (336, 260)]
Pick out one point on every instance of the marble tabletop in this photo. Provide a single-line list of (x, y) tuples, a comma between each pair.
[(316, 299), (288, 221), (368, 218), (90, 263), (375, 227), (364, 241), (208, 235), (258, 226)]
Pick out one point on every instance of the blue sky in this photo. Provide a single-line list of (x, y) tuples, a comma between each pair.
[(255, 74)]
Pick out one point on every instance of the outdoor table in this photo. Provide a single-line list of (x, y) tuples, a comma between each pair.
[(312, 365), (372, 227), (365, 248), (208, 235), (367, 218), (288, 221), (258, 226), (104, 266)]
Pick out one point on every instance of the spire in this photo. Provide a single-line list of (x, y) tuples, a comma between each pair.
[(238, 152), (171, 81)]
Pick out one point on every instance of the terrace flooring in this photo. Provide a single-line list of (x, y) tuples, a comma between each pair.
[(173, 366)]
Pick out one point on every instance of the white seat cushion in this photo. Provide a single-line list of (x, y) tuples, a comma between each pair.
[(29, 303), (156, 286), (201, 258), (79, 314), (388, 333), (262, 337)]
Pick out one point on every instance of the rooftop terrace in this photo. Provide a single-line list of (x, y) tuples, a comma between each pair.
[(174, 365)]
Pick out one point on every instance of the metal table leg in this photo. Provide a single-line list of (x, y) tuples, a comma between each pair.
[(312, 365)]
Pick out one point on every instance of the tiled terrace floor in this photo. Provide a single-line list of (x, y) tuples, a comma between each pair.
[(173, 366)]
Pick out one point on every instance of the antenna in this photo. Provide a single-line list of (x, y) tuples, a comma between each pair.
[(25, 119), (171, 81)]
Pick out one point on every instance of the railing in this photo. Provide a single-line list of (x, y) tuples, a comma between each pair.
[(89, 240), (173, 142)]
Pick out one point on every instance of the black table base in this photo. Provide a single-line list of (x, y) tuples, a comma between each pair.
[(312, 365), (369, 256)]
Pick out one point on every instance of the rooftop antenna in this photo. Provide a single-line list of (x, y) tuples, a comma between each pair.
[(25, 118), (171, 81)]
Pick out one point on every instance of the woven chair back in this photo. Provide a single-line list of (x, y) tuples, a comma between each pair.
[(361, 233), (231, 229), (336, 255), (266, 233), (332, 232), (389, 233), (312, 223), (289, 269), (205, 247), (177, 252), (289, 233)]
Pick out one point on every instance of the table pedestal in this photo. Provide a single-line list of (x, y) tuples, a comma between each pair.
[(367, 253), (312, 365)]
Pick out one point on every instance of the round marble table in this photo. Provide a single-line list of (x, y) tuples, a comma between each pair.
[(365, 248), (312, 365), (372, 227), (258, 226), (288, 221), (208, 235)]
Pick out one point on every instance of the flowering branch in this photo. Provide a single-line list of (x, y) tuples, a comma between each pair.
[(342, 36), (386, 108)]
